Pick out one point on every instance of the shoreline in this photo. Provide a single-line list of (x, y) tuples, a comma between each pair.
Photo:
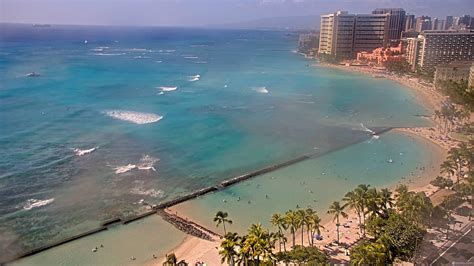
[(426, 95), (193, 249)]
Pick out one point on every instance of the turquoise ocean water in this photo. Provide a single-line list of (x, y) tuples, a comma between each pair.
[(121, 114)]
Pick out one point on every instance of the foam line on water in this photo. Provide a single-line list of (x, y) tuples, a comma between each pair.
[(80, 152), (195, 77), (134, 117), (167, 89), (36, 203)]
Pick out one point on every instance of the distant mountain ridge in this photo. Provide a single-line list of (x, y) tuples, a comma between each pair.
[(310, 22)]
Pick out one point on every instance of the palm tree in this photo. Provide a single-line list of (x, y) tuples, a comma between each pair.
[(292, 220), (279, 222), (171, 260), (376, 253), (221, 218), (373, 202), (361, 192), (456, 157), (386, 201), (416, 207), (244, 254), (228, 248), (337, 210), (313, 224), (302, 222), (354, 202), (258, 244), (447, 167)]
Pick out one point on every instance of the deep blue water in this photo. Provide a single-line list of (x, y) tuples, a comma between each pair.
[(256, 103)]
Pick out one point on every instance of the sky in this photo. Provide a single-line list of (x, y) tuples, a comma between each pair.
[(203, 12)]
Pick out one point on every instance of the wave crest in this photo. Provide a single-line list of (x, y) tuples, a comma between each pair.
[(80, 152), (166, 89), (124, 168), (261, 90), (35, 203), (134, 117), (195, 77), (147, 163)]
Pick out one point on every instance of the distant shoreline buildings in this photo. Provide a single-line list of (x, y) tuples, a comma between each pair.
[(432, 48), (391, 34)]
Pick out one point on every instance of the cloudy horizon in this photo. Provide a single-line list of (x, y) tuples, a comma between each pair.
[(203, 12)]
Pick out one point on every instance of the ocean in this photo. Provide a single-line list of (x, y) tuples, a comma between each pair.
[(112, 116)]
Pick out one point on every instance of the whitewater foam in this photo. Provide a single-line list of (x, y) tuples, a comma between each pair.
[(366, 129), (166, 89), (147, 163), (80, 152), (109, 54), (124, 168), (195, 77), (35, 203), (191, 57), (139, 189), (134, 117), (261, 89)]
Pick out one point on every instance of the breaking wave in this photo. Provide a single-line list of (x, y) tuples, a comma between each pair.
[(165, 89), (109, 54), (124, 168), (134, 117), (195, 77), (35, 203), (261, 89), (147, 163), (80, 152)]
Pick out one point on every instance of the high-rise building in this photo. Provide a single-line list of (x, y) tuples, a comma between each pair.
[(456, 21), (465, 20), (423, 23), (412, 51), (395, 21), (433, 48), (454, 71), (449, 22), (409, 22), (337, 34), (343, 34), (438, 24), (434, 23), (370, 32)]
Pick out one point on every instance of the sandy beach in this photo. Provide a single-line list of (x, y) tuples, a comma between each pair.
[(194, 250)]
